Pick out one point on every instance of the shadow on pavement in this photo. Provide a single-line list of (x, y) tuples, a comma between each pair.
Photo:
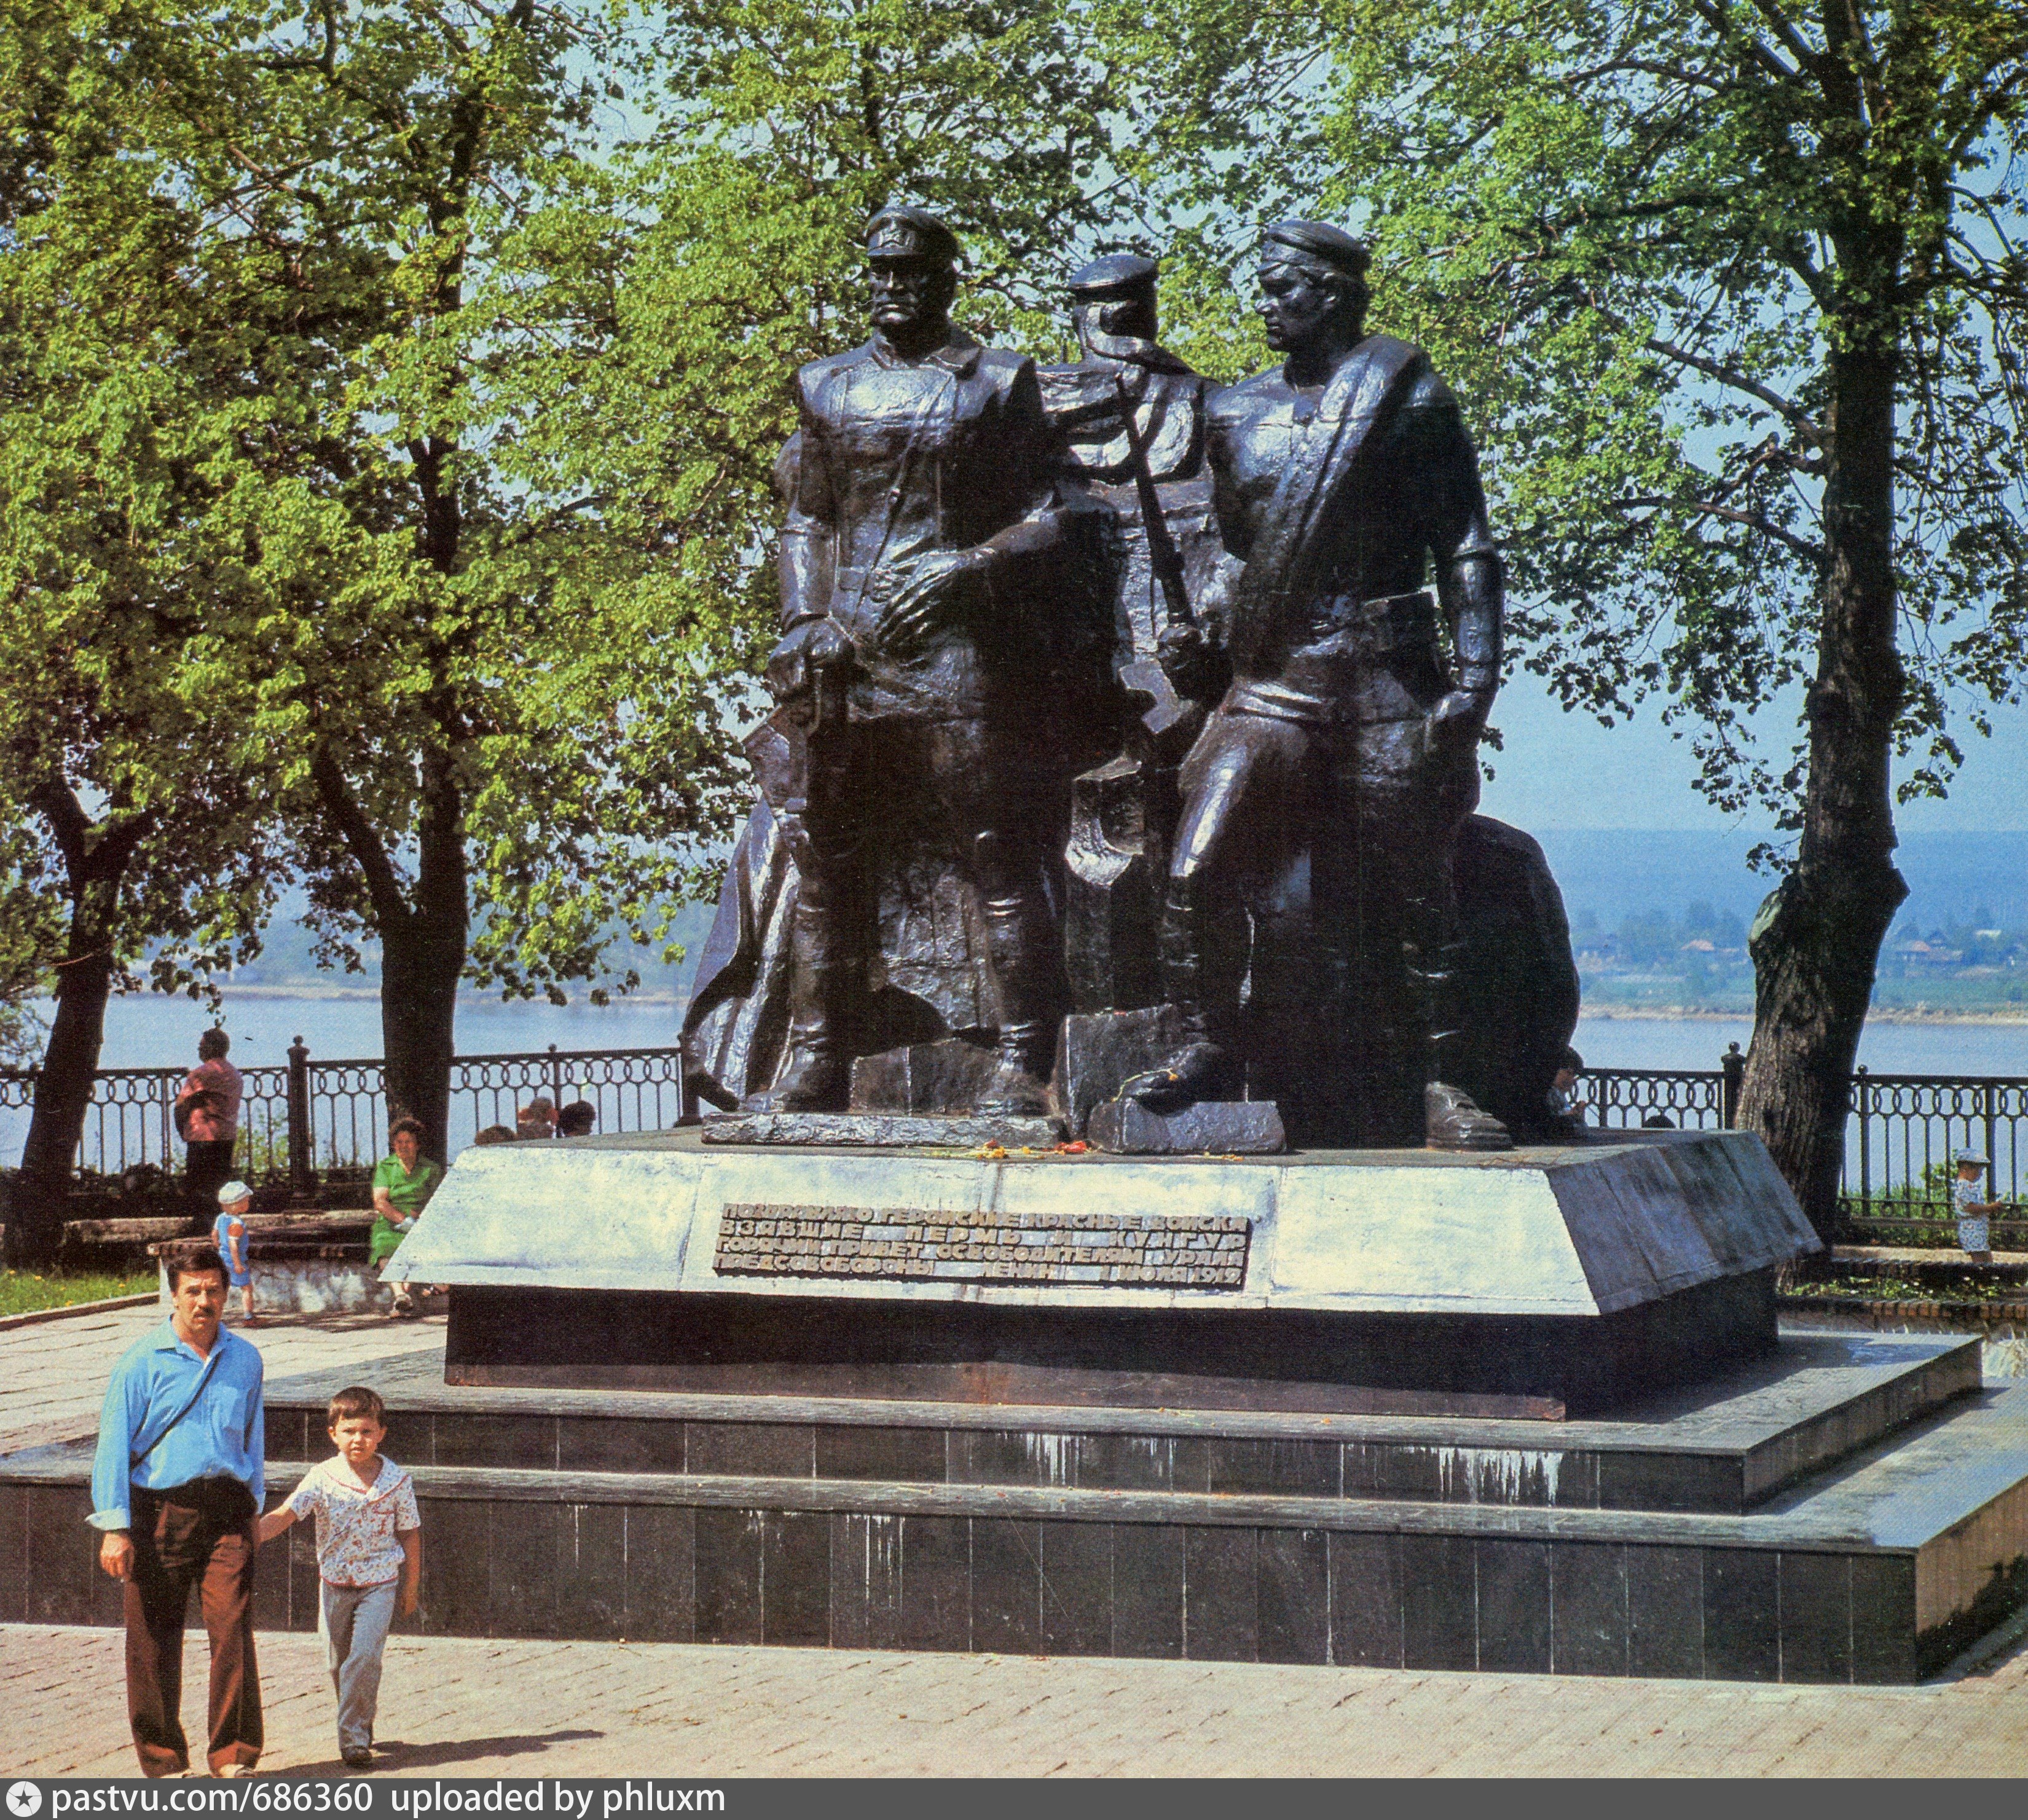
[(399, 1757)]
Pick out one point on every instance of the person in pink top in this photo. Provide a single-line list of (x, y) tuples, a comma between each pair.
[(208, 1120)]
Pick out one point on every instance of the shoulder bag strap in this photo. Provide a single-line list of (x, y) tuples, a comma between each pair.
[(189, 1403)]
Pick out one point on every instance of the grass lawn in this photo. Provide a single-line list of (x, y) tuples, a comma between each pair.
[(23, 1292)]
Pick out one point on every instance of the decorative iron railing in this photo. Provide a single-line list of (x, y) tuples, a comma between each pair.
[(321, 1120), (1901, 1131), (325, 1121)]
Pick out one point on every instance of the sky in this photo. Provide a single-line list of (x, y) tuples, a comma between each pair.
[(1560, 770)]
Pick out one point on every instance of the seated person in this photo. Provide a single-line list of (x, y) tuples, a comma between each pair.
[(536, 1119), (496, 1134), (1567, 1106), (403, 1186), (577, 1119)]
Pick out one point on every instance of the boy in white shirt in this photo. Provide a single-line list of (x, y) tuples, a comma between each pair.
[(369, 1540)]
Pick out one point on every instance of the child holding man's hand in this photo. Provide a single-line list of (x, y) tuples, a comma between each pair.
[(369, 1540)]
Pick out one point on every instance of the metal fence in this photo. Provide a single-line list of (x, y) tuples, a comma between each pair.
[(1900, 1133), (322, 1120), (318, 1121)]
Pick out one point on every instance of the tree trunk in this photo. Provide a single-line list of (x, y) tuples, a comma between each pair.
[(1816, 943), (422, 958), (423, 934), (419, 975), (63, 1085)]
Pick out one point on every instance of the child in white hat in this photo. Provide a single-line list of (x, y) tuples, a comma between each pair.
[(228, 1233), (1974, 1213)]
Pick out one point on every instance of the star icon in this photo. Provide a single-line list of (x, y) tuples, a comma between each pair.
[(23, 1798)]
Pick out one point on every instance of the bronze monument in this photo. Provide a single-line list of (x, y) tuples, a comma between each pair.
[(1126, 744)]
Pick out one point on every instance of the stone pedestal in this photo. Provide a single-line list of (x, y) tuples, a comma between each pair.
[(1539, 1283), (1210, 1127)]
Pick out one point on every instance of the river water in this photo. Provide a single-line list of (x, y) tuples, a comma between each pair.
[(151, 1031), (147, 1030)]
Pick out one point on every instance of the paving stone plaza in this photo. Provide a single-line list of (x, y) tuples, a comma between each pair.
[(456, 1706)]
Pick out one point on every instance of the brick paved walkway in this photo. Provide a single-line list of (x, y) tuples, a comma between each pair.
[(466, 1708), (53, 1374)]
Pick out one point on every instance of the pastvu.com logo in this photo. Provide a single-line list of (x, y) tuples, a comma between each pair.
[(23, 1799)]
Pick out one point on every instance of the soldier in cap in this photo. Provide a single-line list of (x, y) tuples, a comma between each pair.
[(1125, 369), (1323, 797), (913, 665)]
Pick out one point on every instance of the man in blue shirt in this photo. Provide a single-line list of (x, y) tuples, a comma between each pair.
[(177, 1483)]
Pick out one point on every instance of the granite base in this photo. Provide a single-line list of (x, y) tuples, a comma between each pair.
[(1542, 1367), (1210, 1127), (884, 1130), (1830, 1516)]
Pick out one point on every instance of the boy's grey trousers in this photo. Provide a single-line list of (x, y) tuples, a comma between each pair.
[(356, 1620)]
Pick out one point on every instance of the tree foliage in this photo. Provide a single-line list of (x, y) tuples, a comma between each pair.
[(1638, 235), (135, 832), (397, 386), (435, 646)]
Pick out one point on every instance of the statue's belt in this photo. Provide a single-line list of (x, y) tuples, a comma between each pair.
[(1329, 679), (1390, 622)]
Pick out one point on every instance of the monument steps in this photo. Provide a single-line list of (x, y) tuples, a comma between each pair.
[(1884, 1561), (1723, 1448)]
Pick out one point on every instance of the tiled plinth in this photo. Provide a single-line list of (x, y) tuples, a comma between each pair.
[(1212, 1537)]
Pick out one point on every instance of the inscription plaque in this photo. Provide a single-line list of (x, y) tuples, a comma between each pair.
[(925, 1245)]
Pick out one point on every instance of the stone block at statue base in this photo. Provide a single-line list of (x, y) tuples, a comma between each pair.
[(1098, 1052), (945, 1078), (1211, 1127)]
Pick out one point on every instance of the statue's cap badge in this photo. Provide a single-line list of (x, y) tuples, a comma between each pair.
[(1117, 273), (900, 232)]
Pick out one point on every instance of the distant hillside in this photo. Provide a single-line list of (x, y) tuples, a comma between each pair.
[(285, 959), (1612, 874)]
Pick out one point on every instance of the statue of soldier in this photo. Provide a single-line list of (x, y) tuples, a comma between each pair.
[(914, 662), (1343, 759), (1125, 369)]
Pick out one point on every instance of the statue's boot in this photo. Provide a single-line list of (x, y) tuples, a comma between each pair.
[(1454, 1121), (1202, 1067), (1020, 944), (1018, 1087), (816, 1076)]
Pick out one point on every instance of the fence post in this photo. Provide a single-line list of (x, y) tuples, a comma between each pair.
[(1991, 1096), (1862, 1095), (1732, 1067), (556, 1080), (301, 1179)]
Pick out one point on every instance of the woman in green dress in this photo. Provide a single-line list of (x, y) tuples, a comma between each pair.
[(403, 1186)]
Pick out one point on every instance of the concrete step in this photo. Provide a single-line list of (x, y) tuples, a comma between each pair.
[(1880, 1570), (1726, 1447)]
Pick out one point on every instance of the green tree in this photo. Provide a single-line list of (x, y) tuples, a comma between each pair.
[(731, 223), (27, 939), (1734, 292), (485, 751), (130, 815)]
